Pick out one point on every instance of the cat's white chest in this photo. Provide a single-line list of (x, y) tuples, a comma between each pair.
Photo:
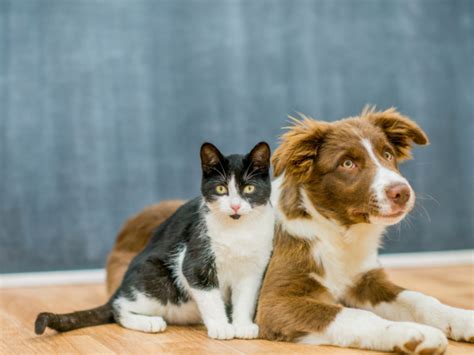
[(241, 247)]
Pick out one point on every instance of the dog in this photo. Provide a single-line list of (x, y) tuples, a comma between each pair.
[(336, 190)]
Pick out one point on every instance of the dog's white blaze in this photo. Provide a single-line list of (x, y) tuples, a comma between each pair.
[(383, 178)]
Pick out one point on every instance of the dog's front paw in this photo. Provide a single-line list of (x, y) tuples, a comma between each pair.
[(459, 324), (456, 323), (412, 338), (246, 331), (221, 331)]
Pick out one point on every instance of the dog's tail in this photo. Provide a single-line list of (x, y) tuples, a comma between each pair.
[(75, 320)]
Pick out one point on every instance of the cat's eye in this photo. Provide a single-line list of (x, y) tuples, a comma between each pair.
[(387, 155), (248, 189), (348, 164), (221, 189)]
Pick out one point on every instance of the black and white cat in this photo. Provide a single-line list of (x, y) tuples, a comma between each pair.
[(209, 256)]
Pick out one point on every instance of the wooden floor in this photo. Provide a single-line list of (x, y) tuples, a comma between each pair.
[(19, 307)]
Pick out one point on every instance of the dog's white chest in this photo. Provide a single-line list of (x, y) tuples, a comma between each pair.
[(345, 256)]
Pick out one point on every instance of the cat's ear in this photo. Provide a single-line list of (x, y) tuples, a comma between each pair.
[(260, 156), (210, 157)]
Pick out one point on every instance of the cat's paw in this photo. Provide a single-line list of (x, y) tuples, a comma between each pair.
[(147, 324), (413, 338), (246, 331), (459, 324), (156, 325), (221, 331)]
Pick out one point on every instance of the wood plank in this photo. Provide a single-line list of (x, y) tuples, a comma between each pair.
[(453, 285)]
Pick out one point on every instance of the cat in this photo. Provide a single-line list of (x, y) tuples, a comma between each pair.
[(204, 264)]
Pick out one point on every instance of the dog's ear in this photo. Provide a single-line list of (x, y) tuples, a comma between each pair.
[(298, 148), (400, 130)]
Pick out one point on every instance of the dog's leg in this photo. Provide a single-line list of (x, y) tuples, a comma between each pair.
[(358, 328), (304, 320), (376, 293)]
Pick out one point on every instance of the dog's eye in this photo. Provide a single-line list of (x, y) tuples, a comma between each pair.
[(248, 189), (221, 189), (387, 155), (348, 164)]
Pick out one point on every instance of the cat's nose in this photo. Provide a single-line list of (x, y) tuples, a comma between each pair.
[(235, 207)]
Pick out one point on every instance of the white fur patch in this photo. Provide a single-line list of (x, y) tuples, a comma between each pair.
[(213, 313), (363, 329), (241, 248), (147, 324), (457, 323), (186, 313)]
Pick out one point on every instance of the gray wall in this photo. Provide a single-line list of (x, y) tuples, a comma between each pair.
[(104, 104)]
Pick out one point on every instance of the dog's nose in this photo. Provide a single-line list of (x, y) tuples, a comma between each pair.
[(399, 194), (235, 207)]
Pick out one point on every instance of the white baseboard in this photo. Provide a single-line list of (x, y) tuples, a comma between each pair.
[(402, 260), (49, 278), (428, 259)]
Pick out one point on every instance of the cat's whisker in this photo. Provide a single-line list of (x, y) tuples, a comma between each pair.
[(246, 171), (251, 175), (224, 178), (223, 170)]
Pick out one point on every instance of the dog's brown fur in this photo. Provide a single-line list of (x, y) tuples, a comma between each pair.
[(373, 286), (133, 237), (290, 289)]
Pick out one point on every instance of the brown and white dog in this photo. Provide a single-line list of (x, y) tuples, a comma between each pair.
[(337, 187)]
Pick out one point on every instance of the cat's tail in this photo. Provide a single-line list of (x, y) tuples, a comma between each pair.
[(75, 320)]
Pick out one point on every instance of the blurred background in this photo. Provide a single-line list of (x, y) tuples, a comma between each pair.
[(104, 105)]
